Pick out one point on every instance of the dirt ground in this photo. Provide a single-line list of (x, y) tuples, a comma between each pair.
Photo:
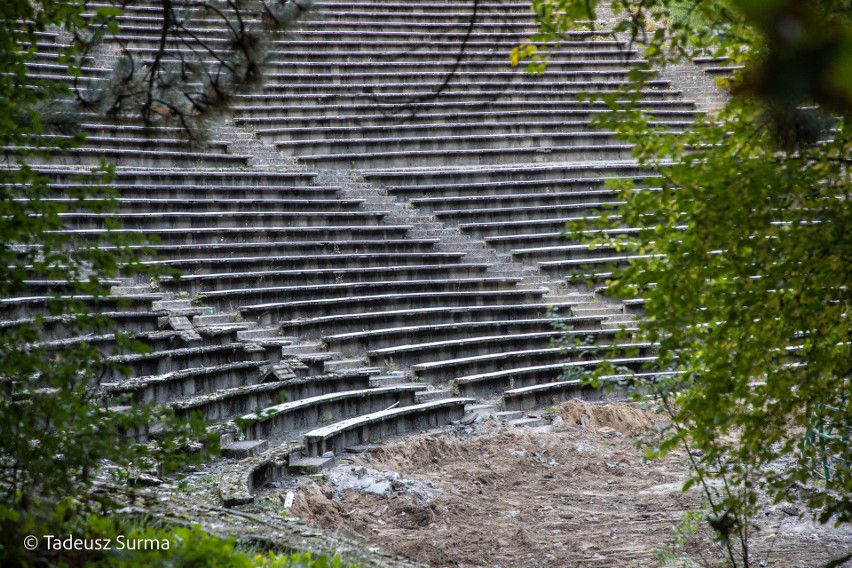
[(575, 493)]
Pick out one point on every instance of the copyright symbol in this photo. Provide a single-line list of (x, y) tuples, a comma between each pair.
[(30, 542)]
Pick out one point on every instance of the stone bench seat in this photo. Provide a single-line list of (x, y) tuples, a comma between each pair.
[(551, 394), (530, 226), (450, 17), (163, 361), (225, 404), (97, 125), (283, 249), (52, 68), (560, 253), (394, 143), (239, 479), (534, 241), (194, 178), (497, 381), (329, 65), (155, 341), (375, 39), (337, 53), (273, 421), (349, 44), (348, 135), (430, 176), (270, 313), (392, 99), (426, 7), (380, 425), (449, 23), (156, 221), (414, 35), (451, 193), (393, 319), (397, 99), (635, 306), (548, 395), (203, 283), (371, 339), (519, 117), (444, 370), (233, 264), (252, 193), (132, 28), (724, 70), (408, 354), (467, 78), (211, 235), (404, 68), (28, 306), (136, 158), (472, 156), (117, 138), (512, 201), (191, 382), (379, 104), (286, 249), (522, 213), (142, 206), (375, 106), (298, 49), (312, 50), (265, 294), (139, 16), (62, 327), (581, 264)]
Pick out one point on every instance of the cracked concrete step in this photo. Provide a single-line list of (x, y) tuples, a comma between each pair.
[(243, 449), (433, 394), (509, 415), (256, 333), (215, 319), (309, 465), (390, 379), (593, 309), (343, 365), (528, 422)]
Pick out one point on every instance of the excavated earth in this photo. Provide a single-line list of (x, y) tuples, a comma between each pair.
[(578, 492)]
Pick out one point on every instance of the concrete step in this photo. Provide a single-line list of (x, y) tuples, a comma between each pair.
[(215, 319), (293, 346), (309, 465), (258, 333), (243, 449), (171, 305), (483, 410), (343, 365), (509, 415), (528, 422), (433, 394), (391, 378)]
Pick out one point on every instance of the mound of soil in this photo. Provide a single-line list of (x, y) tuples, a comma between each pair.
[(626, 418)]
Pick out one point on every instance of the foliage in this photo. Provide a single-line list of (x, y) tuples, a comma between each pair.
[(189, 79), (744, 256), (58, 428)]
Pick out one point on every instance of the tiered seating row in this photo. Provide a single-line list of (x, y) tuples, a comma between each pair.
[(500, 156)]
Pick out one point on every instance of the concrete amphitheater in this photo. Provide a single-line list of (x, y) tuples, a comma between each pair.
[(362, 258)]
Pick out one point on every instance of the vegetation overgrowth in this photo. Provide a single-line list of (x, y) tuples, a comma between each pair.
[(60, 431), (743, 255)]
